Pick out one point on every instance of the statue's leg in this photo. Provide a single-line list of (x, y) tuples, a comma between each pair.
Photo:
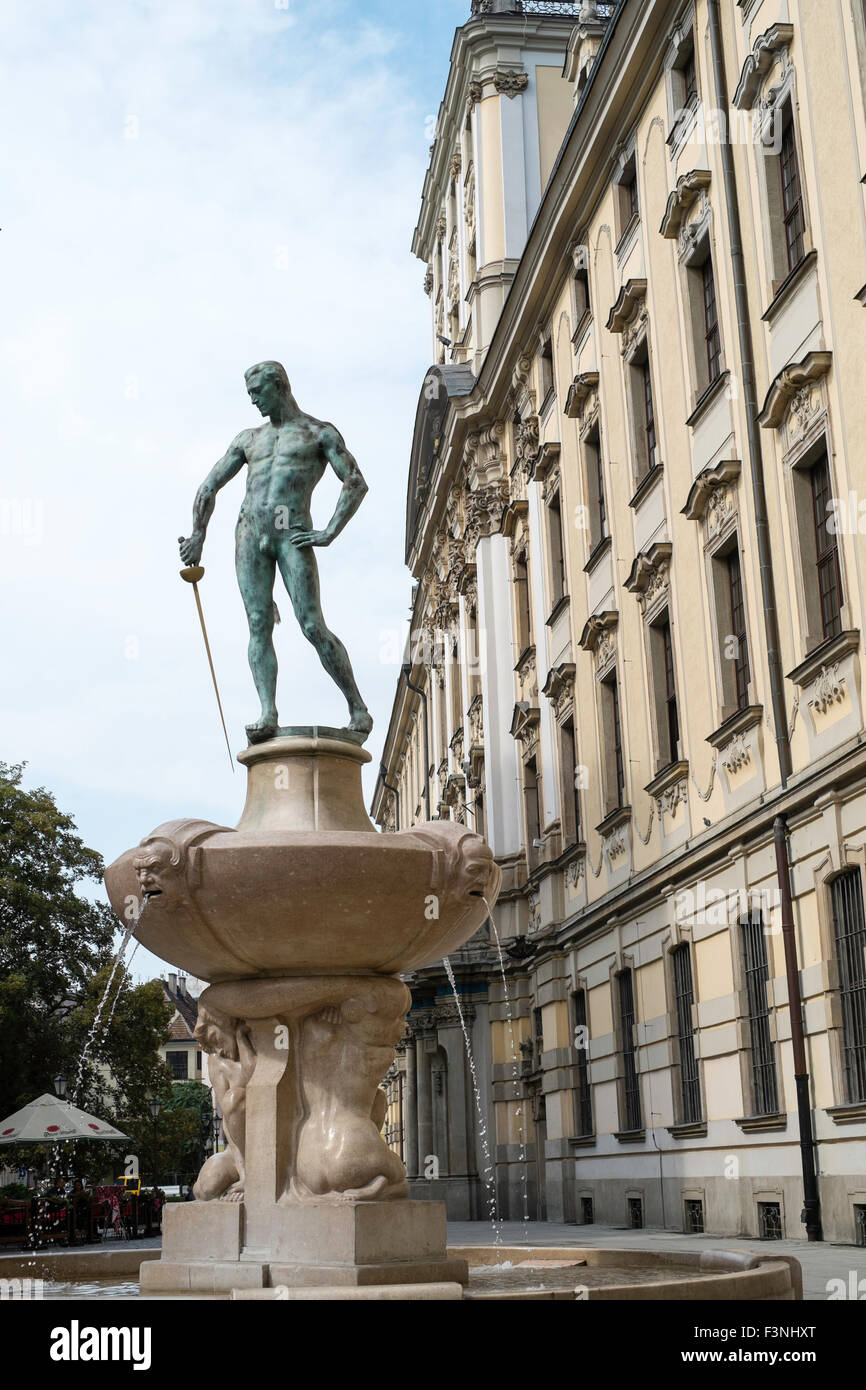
[(301, 577), (255, 572)]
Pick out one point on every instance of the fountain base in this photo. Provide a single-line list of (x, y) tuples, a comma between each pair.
[(206, 1247)]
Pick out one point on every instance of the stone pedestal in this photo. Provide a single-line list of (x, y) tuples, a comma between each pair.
[(303, 919), (336, 1244)]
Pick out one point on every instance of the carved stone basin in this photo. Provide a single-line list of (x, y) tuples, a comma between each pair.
[(305, 884)]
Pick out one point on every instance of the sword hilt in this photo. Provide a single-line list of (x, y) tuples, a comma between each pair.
[(192, 574)]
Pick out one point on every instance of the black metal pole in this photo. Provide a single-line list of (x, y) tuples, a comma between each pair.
[(811, 1196), (154, 1153)]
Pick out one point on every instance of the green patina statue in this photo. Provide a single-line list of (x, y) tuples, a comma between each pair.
[(285, 460)]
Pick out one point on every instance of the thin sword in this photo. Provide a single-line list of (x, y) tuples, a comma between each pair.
[(192, 575)]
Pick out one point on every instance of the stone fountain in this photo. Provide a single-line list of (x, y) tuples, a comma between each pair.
[(301, 919)]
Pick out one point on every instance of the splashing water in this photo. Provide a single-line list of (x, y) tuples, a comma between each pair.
[(515, 1072), (123, 975), (93, 1034), (488, 1172)]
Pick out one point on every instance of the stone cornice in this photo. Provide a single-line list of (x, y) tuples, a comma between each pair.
[(689, 188), (789, 382), (706, 483), (629, 300), (580, 390), (762, 57)]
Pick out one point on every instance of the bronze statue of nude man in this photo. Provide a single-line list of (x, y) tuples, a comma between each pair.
[(285, 459)]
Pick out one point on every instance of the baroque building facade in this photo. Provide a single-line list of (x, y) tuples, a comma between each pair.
[(635, 661)]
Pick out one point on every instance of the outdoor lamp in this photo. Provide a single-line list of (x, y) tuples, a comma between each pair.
[(60, 1086), (155, 1108)]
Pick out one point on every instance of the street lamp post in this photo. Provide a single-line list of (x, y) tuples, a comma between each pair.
[(60, 1086), (155, 1108)]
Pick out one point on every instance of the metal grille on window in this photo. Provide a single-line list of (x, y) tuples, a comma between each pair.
[(849, 928), (588, 1211), (764, 1082), (631, 1084), (690, 1082), (635, 1213), (770, 1220), (584, 1095), (826, 551), (860, 1225), (694, 1222)]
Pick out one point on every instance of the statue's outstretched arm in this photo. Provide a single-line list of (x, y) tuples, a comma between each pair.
[(350, 499), (205, 499)]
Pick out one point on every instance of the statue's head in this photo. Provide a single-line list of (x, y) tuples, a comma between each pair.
[(216, 1032), (268, 386)]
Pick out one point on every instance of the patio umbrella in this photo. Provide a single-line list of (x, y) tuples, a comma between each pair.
[(48, 1120)]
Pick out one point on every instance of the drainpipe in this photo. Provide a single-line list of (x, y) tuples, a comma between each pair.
[(383, 773), (753, 429), (419, 690), (812, 1206), (811, 1197)]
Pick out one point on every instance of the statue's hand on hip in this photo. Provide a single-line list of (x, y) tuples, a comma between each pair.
[(304, 539), (190, 550)]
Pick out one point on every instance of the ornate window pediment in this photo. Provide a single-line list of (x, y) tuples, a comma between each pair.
[(649, 577), (792, 390), (629, 316), (559, 689), (598, 637), (582, 401), (690, 188), (713, 496), (765, 50)]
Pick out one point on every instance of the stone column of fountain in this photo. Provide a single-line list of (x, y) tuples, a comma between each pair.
[(302, 919)]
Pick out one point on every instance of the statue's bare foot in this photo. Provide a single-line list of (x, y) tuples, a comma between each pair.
[(263, 729), (361, 721)]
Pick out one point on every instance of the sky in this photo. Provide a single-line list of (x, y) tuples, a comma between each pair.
[(188, 187)]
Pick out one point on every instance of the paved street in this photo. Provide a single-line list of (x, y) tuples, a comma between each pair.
[(820, 1262)]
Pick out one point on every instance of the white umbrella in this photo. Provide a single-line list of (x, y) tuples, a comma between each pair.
[(48, 1120)]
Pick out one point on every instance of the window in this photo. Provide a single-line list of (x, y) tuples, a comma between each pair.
[(642, 411), (630, 1082), (479, 815), (178, 1065), (711, 322), (570, 794), (665, 688), (690, 1084), (612, 740), (826, 550), (545, 363), (583, 1095), (524, 618), (532, 804), (734, 668), (860, 1225), (538, 1035), (588, 1211), (792, 194), (558, 586), (626, 196), (849, 929), (684, 77), (765, 1090), (635, 1213), (595, 488), (580, 281)]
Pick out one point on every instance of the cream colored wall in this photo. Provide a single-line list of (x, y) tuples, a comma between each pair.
[(555, 109)]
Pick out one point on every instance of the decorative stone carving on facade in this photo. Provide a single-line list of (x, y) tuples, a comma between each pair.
[(510, 83), (483, 455), (453, 278), (456, 746), (615, 845), (704, 495), (790, 384), (441, 227), (533, 903), (736, 755), (576, 872), (440, 312), (649, 576), (559, 689), (527, 443), (522, 395), (447, 1014), (827, 690), (527, 676), (546, 468), (476, 742), (456, 165), (469, 209), (767, 46), (582, 400), (691, 188), (598, 637), (484, 511), (428, 281), (672, 797), (474, 93), (629, 316)]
